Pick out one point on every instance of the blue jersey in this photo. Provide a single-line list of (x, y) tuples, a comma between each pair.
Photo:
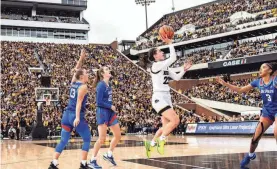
[(73, 96), (268, 93), (103, 95)]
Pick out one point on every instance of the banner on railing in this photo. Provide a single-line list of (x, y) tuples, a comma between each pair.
[(244, 60), (225, 128)]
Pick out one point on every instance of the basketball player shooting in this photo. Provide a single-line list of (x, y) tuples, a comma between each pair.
[(161, 98)]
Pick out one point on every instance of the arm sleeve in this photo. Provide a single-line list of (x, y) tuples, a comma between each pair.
[(255, 83), (158, 66), (100, 97), (176, 76)]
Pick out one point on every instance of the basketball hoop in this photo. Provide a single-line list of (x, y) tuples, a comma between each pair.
[(47, 102)]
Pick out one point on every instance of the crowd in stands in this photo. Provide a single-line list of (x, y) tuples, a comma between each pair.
[(41, 15), (211, 19), (250, 48), (130, 95), (17, 85), (217, 92), (236, 50), (131, 89)]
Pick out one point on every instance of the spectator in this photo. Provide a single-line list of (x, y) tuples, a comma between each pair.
[(132, 89), (22, 128), (210, 19), (12, 132), (213, 91)]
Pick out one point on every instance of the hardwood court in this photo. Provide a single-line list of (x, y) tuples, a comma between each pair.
[(188, 152)]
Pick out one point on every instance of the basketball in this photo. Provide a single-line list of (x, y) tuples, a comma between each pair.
[(166, 30)]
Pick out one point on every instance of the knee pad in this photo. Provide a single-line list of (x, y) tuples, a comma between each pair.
[(256, 141)]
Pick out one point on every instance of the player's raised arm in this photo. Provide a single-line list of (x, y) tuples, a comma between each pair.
[(236, 88), (182, 70), (79, 64), (155, 54), (82, 91)]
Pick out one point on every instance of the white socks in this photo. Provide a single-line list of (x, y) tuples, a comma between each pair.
[(93, 158), (55, 162), (153, 143), (84, 162), (110, 153), (162, 138), (251, 154)]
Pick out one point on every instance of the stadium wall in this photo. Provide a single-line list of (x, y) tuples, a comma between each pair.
[(43, 40), (198, 109), (186, 84), (39, 24), (114, 45), (227, 106), (221, 128)]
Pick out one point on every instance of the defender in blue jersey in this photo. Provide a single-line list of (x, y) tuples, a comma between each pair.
[(74, 115), (267, 84), (105, 116)]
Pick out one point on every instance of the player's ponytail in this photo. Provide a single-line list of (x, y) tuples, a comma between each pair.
[(98, 77), (273, 67)]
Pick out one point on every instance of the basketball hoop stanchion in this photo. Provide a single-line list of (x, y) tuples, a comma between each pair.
[(39, 131)]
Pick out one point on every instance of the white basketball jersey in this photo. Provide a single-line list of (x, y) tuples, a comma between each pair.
[(161, 73), (160, 80)]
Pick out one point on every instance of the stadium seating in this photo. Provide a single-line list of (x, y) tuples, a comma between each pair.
[(211, 19), (236, 50), (132, 89), (130, 95), (215, 91)]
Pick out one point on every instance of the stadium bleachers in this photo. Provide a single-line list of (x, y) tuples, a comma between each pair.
[(211, 19), (215, 91), (131, 96), (236, 50)]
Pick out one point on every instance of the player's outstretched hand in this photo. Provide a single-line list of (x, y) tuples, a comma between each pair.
[(76, 122), (187, 65), (83, 54), (220, 81), (166, 40)]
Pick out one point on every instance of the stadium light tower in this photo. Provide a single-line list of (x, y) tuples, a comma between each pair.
[(173, 7), (145, 3)]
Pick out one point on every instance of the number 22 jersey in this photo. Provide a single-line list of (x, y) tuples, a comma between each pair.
[(161, 73)]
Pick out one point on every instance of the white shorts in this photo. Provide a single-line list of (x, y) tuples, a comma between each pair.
[(161, 101)]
